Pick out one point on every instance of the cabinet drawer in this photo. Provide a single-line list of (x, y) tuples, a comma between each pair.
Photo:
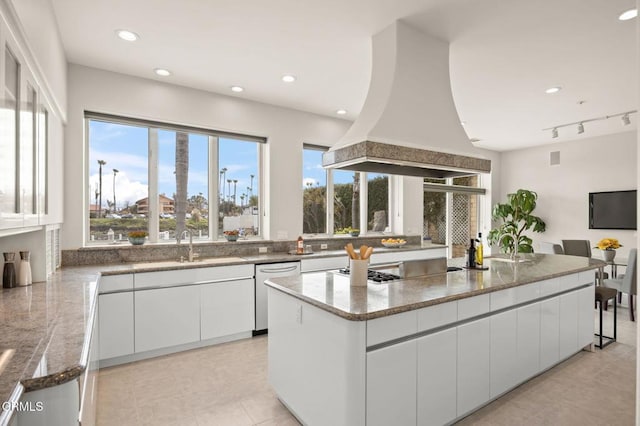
[(549, 287), (383, 329), (527, 292), (569, 281), (437, 316), (324, 264), (112, 283), (473, 306), (192, 276)]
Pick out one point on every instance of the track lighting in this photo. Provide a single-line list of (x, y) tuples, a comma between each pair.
[(626, 120)]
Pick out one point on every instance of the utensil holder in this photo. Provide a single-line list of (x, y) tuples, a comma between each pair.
[(358, 272)]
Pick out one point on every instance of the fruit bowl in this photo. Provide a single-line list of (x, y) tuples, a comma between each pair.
[(394, 242)]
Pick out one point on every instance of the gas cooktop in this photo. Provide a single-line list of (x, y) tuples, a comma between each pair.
[(376, 276)]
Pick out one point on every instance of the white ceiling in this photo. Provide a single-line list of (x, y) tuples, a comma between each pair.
[(504, 54)]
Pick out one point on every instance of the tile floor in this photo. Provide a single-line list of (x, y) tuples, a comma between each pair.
[(227, 385)]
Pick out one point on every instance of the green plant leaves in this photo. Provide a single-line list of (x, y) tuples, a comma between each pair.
[(516, 218)]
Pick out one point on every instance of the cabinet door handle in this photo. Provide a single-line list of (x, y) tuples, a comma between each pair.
[(284, 269)]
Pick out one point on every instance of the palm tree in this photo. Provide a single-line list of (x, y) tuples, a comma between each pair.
[(355, 202), (252, 176), (235, 185), (115, 172), (101, 163), (223, 173), (182, 179)]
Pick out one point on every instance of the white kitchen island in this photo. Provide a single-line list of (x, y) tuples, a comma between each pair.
[(426, 350)]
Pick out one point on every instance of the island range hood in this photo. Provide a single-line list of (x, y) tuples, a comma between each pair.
[(408, 124)]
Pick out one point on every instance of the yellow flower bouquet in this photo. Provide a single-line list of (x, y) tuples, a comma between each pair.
[(608, 244)]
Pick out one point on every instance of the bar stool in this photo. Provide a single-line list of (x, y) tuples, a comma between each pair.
[(603, 295)]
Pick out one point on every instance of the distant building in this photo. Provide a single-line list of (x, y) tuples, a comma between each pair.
[(93, 210), (165, 205)]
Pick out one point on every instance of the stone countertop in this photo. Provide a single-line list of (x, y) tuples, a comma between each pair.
[(332, 292), (128, 268), (46, 325)]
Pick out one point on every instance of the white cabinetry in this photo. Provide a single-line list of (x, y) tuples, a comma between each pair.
[(586, 296), (569, 324), (226, 308), (528, 360), (116, 324), (324, 263), (504, 330), (437, 370), (150, 313), (24, 138), (549, 333), (391, 385), (166, 317), (474, 354), (115, 315)]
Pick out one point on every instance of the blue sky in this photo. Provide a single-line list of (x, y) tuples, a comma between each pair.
[(124, 147)]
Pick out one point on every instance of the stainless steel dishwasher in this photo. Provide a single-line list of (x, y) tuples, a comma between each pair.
[(264, 272)]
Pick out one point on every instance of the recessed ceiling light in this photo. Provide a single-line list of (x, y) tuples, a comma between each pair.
[(555, 89), (463, 123), (162, 72), (127, 35), (341, 111), (237, 89), (288, 78), (629, 14)]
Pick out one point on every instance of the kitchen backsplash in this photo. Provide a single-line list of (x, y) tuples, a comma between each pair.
[(126, 253)]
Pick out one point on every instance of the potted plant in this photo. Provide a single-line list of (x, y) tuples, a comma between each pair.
[(608, 247), (516, 218), (137, 238), (231, 235), (349, 230)]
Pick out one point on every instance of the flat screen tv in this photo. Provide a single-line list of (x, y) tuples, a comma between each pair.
[(613, 210)]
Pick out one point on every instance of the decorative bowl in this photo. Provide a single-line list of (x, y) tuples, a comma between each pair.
[(396, 244), (354, 233), (231, 237)]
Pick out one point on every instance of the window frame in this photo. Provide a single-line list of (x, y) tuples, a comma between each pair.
[(153, 165), (449, 189), (364, 202)]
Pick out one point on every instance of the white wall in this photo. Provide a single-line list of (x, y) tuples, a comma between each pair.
[(605, 163), (107, 92)]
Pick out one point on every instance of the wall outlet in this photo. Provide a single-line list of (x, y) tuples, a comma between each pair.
[(263, 249), (323, 246)]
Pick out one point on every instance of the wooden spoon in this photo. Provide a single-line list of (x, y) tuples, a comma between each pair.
[(350, 251), (363, 250), (368, 253)]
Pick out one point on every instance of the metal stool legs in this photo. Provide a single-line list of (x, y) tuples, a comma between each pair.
[(615, 324)]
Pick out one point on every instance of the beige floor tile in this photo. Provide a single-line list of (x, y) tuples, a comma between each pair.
[(228, 385)]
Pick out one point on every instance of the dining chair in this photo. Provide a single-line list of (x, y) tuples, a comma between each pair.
[(550, 248), (577, 247), (580, 248), (627, 282)]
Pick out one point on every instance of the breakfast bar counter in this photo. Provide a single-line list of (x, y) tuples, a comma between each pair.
[(426, 350)]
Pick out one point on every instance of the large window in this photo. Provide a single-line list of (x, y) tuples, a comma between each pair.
[(180, 170), (334, 199), (451, 212), (314, 191)]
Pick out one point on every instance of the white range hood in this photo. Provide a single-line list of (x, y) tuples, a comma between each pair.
[(409, 124)]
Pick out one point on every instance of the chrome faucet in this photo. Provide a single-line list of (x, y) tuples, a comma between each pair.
[(191, 254)]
